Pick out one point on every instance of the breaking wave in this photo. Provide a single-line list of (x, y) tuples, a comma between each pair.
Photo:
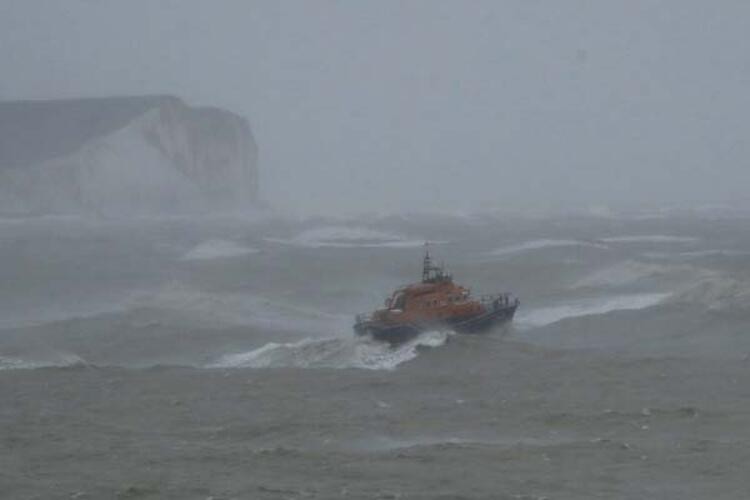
[(334, 352), (706, 253), (217, 249), (347, 237), (649, 238), (585, 307), (716, 293), (59, 361), (242, 309), (541, 244), (387, 443), (628, 272)]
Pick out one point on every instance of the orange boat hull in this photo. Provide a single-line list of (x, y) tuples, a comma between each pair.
[(398, 332)]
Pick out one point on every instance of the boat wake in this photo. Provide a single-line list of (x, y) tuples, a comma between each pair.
[(335, 352)]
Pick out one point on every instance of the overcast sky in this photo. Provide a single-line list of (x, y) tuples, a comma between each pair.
[(406, 105)]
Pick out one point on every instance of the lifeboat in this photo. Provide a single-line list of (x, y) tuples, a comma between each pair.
[(434, 303)]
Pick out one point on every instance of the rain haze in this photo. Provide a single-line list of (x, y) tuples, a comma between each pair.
[(422, 105), (374, 250)]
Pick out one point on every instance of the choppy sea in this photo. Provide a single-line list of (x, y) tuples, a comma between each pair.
[(214, 358)]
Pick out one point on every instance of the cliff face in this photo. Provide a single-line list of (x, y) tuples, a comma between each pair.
[(124, 156)]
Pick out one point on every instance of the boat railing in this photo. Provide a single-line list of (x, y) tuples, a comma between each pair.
[(499, 300), (494, 301)]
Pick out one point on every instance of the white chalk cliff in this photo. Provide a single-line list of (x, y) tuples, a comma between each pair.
[(124, 156)]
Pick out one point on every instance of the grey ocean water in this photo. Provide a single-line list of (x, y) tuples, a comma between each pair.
[(214, 358)]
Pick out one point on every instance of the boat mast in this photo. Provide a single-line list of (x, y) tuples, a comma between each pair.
[(433, 273), (426, 264)]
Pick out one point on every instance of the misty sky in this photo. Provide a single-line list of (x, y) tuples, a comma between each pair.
[(433, 105)]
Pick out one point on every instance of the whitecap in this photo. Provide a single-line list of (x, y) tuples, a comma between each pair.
[(586, 307), (713, 253), (649, 238), (242, 309), (716, 293), (217, 249), (59, 360), (347, 237), (542, 244), (623, 273)]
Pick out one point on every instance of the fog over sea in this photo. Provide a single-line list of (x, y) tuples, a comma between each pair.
[(214, 358)]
